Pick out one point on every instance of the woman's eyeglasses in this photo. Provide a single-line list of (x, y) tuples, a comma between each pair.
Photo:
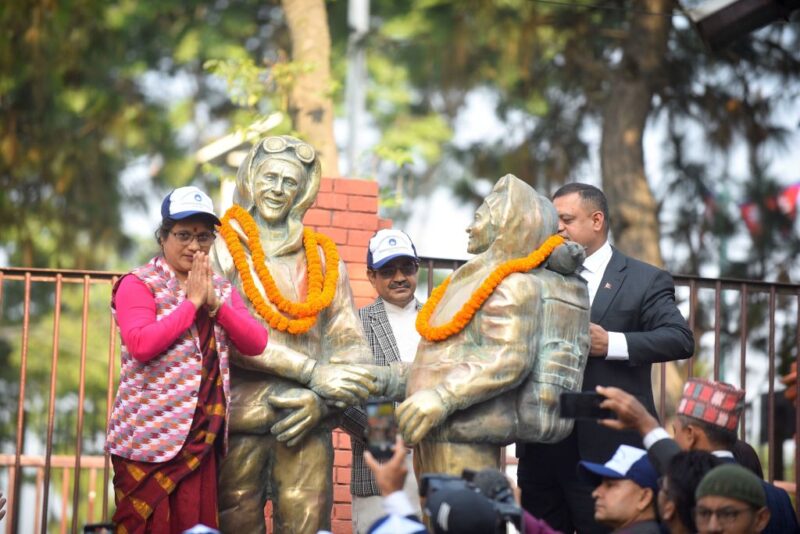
[(204, 239)]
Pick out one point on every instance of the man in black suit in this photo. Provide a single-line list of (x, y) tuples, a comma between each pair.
[(634, 323)]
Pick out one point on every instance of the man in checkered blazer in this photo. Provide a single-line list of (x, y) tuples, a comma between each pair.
[(389, 325)]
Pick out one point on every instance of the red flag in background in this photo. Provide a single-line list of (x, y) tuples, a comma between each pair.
[(751, 215), (787, 200)]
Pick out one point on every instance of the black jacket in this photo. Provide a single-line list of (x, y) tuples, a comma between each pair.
[(637, 299)]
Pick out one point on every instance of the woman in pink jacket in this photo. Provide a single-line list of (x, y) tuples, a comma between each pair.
[(168, 426)]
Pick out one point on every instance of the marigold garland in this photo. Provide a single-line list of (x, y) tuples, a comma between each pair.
[(479, 296), (321, 289)]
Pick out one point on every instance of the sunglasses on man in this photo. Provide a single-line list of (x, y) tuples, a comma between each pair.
[(408, 268)]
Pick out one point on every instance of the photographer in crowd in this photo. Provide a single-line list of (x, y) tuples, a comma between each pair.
[(390, 478), (483, 505)]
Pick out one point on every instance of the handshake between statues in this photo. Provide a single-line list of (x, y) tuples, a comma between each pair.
[(480, 379)]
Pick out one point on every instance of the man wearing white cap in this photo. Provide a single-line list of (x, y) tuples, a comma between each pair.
[(392, 266), (625, 491)]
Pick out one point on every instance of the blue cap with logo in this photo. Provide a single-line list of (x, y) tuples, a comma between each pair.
[(629, 463), (185, 202), (388, 244)]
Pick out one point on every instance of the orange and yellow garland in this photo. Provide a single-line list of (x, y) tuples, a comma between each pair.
[(321, 289), (479, 296)]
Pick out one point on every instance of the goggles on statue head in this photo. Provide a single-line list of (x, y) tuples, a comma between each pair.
[(303, 151)]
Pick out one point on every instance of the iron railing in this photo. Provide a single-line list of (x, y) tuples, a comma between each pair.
[(73, 466), (720, 312), (711, 305)]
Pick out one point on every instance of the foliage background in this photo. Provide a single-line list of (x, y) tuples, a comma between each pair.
[(103, 105)]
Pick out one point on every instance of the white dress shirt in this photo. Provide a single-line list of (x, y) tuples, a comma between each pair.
[(403, 322), (594, 267)]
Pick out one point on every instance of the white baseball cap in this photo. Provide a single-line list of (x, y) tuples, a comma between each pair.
[(628, 462), (185, 202), (388, 244)]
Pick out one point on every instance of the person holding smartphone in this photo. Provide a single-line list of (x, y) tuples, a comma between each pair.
[(388, 322)]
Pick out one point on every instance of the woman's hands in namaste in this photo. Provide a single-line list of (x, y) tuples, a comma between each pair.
[(199, 285)]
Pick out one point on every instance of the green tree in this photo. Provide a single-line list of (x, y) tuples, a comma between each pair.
[(311, 102), (90, 88), (561, 70)]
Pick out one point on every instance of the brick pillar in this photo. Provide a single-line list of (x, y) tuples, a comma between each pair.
[(346, 210)]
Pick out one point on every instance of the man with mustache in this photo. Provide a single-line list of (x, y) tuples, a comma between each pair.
[(634, 323), (392, 267)]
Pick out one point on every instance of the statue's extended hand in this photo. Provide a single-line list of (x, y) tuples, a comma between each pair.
[(308, 410), (347, 384), (418, 414)]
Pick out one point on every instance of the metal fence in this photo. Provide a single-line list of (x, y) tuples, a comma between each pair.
[(75, 303), (744, 332), (58, 366)]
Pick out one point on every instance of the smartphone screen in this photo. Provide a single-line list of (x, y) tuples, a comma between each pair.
[(584, 405), (381, 428), (98, 528)]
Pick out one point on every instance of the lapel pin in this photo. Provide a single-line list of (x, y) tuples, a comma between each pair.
[(607, 286)]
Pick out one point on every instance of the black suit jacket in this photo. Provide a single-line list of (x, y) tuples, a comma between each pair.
[(637, 299)]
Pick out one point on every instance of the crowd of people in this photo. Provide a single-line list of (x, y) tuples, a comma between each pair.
[(673, 485), (187, 451), (627, 474)]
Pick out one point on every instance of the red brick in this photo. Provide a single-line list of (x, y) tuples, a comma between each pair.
[(326, 185), (341, 493), (341, 527), (317, 217), (268, 515), (359, 238), (332, 201), (351, 254), (343, 512), (358, 221), (356, 187), (342, 475), (339, 235), (361, 288), (357, 271), (359, 203), (384, 223), (341, 458), (343, 441)]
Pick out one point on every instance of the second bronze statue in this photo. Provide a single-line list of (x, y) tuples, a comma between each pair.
[(498, 379)]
